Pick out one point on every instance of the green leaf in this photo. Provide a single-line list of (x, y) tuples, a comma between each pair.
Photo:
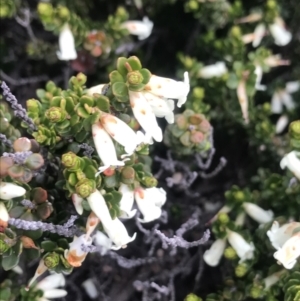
[(146, 75), (75, 119), (102, 102), (40, 93), (60, 184), (82, 112), (70, 105), (111, 181), (120, 91), (16, 171), (17, 211), (81, 136), (135, 63), (136, 88), (5, 293), (72, 179), (90, 172), (48, 246), (121, 66), (115, 77), (86, 99), (10, 262), (55, 101)]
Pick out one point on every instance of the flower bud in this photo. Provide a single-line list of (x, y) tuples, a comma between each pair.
[(128, 175), (241, 270), (32, 105), (28, 243), (45, 9), (134, 78), (149, 182), (51, 260), (56, 114), (256, 292), (230, 253), (294, 130), (70, 161), (85, 187), (223, 218), (196, 137), (239, 196)]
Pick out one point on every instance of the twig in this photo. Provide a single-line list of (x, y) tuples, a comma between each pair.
[(23, 81)]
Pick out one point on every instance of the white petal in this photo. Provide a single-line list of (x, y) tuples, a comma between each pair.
[(18, 270), (142, 29), (275, 61), (77, 201), (281, 36), (99, 207), (216, 70), (10, 190), (279, 235), (4, 217), (273, 279), (100, 239), (287, 100), (147, 206), (66, 45), (243, 249), (118, 234), (281, 124), (159, 195), (257, 213), (259, 33), (292, 87), (105, 147), (39, 271), (96, 89), (276, 104), (168, 88), (243, 99), (90, 288), (120, 132), (292, 162), (143, 113), (51, 281), (213, 255), (91, 223), (289, 252), (55, 293), (126, 202)]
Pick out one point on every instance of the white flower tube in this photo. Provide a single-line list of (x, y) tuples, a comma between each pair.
[(213, 255), (76, 255), (146, 204), (96, 89), (41, 269), (243, 249), (273, 279), (4, 217), (67, 49), (292, 162), (216, 70), (100, 239), (161, 107), (49, 287), (118, 234), (290, 251), (91, 224), (243, 99), (281, 124), (259, 74), (141, 29), (77, 202), (99, 207), (143, 112), (168, 88), (281, 36), (159, 195), (90, 288), (127, 201), (9, 191), (278, 235), (257, 213), (259, 32), (105, 147), (120, 132)]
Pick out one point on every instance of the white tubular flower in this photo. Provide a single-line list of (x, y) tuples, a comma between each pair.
[(100, 239), (159, 195), (118, 234), (9, 191), (105, 147), (120, 132), (281, 124), (161, 107), (76, 255), (290, 251), (292, 162), (90, 288), (243, 249), (141, 29), (257, 213), (49, 287), (99, 207), (259, 74), (96, 89), (77, 201), (146, 204), (91, 224), (213, 255), (273, 279), (243, 99), (281, 36), (279, 235), (250, 18), (143, 112), (216, 70), (41, 269), (276, 60), (127, 201), (67, 49), (259, 32), (168, 88), (4, 217)]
